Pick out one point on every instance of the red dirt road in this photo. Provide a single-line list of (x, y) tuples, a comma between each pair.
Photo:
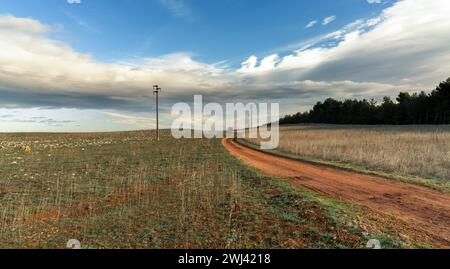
[(425, 209)]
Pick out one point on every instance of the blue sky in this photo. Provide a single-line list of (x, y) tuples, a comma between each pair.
[(212, 30), (90, 65)]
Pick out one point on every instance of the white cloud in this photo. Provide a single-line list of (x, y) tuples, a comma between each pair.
[(249, 64), (11, 24), (406, 41), (53, 67), (74, 1), (311, 24), (266, 64), (404, 48), (328, 20), (374, 1), (181, 61)]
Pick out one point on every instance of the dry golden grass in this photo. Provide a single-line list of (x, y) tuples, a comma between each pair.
[(422, 151)]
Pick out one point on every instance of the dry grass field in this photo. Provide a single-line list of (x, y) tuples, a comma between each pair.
[(125, 190), (421, 152)]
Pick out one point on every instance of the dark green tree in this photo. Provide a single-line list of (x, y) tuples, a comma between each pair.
[(416, 108)]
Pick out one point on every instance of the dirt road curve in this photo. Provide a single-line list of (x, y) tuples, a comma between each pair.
[(424, 208)]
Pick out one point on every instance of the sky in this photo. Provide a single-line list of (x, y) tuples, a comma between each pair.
[(89, 65)]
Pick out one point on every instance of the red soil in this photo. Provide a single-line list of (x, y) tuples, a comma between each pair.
[(425, 209)]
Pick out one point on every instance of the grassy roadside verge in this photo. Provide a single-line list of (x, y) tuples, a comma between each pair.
[(439, 185)]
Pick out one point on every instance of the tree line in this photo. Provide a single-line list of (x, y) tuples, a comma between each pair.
[(416, 108)]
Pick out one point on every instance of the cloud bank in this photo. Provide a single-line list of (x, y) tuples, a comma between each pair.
[(404, 48)]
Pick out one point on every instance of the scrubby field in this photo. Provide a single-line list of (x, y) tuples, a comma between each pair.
[(125, 190), (408, 151)]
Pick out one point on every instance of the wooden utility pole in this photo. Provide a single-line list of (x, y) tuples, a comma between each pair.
[(156, 91)]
